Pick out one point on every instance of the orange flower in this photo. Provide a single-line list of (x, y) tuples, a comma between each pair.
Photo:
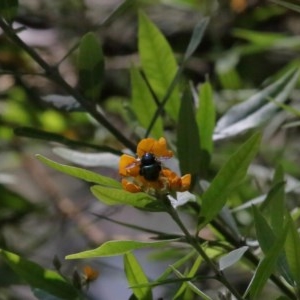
[(90, 274), (146, 173)]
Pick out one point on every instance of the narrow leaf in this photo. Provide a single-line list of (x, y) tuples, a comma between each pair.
[(62, 102), (266, 266), (91, 66), (257, 109), (143, 104), (38, 277), (196, 38), (158, 63), (188, 143), (135, 275), (114, 196), (289, 5), (206, 116), (232, 257), (85, 175), (292, 250), (114, 248), (230, 175)]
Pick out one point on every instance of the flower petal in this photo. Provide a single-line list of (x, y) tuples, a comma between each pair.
[(130, 187), (127, 166), (185, 182), (160, 148), (145, 146)]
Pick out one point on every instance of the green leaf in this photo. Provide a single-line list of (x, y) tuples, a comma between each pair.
[(205, 117), (266, 266), (232, 257), (38, 277), (83, 174), (8, 9), (135, 275), (266, 238), (143, 103), (196, 38), (158, 63), (192, 286), (192, 272), (114, 248), (256, 110), (113, 196), (91, 66), (289, 5), (188, 143), (230, 175), (292, 250)]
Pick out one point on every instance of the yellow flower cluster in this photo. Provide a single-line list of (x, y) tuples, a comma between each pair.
[(146, 173)]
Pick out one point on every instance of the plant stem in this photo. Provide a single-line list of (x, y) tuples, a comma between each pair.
[(53, 74), (195, 244)]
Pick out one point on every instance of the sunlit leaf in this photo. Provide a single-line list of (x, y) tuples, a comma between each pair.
[(188, 143), (114, 196), (91, 66), (143, 104), (135, 275), (38, 277), (230, 175), (114, 248), (85, 175), (158, 62), (232, 257)]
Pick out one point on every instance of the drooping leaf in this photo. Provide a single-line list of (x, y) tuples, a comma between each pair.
[(8, 9), (292, 250), (143, 104), (196, 38), (91, 66), (230, 175), (135, 275), (38, 277), (158, 63), (257, 109), (232, 257), (114, 248), (188, 143), (266, 266), (114, 196), (85, 175)]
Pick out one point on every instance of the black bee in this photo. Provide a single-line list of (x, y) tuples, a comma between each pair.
[(150, 167)]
